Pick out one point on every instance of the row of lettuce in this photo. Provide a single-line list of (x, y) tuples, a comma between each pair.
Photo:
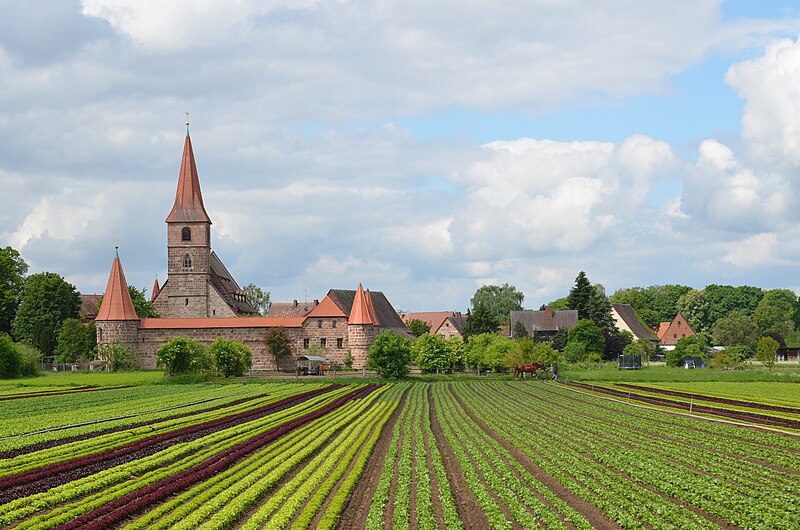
[(305, 445)]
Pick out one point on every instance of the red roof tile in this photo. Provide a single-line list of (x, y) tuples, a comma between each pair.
[(326, 309), (227, 323), (117, 303), (188, 205)]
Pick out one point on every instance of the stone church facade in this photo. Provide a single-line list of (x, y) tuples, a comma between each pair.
[(201, 300)]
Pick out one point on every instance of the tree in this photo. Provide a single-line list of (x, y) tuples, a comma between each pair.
[(12, 277), (560, 339), (641, 347), (616, 341), (694, 346), (576, 352), (455, 347), (735, 330), (520, 330), (76, 341), (144, 308), (390, 355), (732, 356), (591, 303), (430, 353), (587, 332), (231, 357), (10, 359), (47, 300), (775, 312), (479, 321), (257, 298), (278, 345), (559, 304), (694, 307), (499, 300), (480, 351), (180, 355), (766, 351), (418, 327)]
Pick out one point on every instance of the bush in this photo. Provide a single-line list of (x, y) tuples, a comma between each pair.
[(766, 351), (431, 353), (575, 351), (10, 359), (694, 346), (76, 341), (231, 357), (180, 355), (30, 357), (390, 355), (119, 356)]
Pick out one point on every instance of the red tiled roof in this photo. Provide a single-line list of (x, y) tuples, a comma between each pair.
[(227, 323), (662, 329), (290, 309), (371, 307), (117, 303), (360, 313), (188, 205), (89, 304), (434, 319), (326, 309)]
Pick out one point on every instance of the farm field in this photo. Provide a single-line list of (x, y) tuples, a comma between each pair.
[(410, 455)]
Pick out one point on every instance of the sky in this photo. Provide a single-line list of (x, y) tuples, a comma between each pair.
[(420, 148)]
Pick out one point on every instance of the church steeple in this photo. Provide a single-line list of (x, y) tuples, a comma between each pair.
[(188, 205)]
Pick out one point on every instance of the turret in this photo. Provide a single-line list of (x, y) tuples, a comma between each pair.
[(361, 326), (116, 320)]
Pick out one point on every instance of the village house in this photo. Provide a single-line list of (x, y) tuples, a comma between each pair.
[(446, 324), (626, 320), (669, 333), (201, 300), (545, 323)]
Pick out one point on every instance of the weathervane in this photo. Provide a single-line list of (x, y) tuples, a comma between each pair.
[(116, 245), (187, 121)]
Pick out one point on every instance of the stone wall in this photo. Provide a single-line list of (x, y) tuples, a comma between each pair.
[(152, 339), (123, 331), (361, 338), (331, 331)]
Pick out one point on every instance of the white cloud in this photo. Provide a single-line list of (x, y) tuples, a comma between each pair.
[(63, 217), (771, 86), (754, 251)]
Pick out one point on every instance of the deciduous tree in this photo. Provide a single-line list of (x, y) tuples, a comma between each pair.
[(12, 276), (47, 300), (499, 300), (767, 350), (735, 330), (430, 353), (775, 312), (76, 341), (257, 298), (390, 355), (418, 327), (278, 345)]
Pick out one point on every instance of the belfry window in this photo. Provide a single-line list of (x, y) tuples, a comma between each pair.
[(187, 262), (186, 234)]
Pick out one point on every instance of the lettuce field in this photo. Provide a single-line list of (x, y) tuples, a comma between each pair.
[(409, 455)]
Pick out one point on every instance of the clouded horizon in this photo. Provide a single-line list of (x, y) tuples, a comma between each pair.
[(420, 149)]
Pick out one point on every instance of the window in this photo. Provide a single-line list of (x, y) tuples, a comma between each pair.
[(305, 344), (323, 342), (186, 234), (679, 322), (213, 312), (319, 323), (333, 323), (674, 335), (187, 262), (340, 343), (683, 334), (186, 302)]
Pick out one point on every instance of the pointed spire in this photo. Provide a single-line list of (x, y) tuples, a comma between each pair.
[(156, 288), (360, 313), (371, 307), (188, 205), (117, 303)]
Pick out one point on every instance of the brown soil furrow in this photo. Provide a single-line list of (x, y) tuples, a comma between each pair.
[(354, 516), (712, 399), (437, 504), (469, 510), (588, 510)]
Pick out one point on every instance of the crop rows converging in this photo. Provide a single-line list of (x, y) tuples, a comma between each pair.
[(274, 456), (449, 455)]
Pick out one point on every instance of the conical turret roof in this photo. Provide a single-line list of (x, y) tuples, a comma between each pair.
[(188, 205), (360, 313), (117, 303), (156, 288)]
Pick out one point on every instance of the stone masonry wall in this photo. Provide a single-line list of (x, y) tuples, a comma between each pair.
[(152, 339), (330, 330), (360, 338)]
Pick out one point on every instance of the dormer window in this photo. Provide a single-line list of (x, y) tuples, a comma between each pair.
[(186, 234), (187, 262)]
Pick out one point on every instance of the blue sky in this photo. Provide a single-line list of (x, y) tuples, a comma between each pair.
[(422, 150)]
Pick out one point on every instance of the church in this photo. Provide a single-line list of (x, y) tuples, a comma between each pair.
[(201, 300)]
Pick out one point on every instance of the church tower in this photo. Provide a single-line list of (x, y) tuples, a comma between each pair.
[(188, 245)]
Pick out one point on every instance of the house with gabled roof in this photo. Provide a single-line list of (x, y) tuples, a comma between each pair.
[(544, 323), (446, 324), (201, 300), (669, 333), (626, 320)]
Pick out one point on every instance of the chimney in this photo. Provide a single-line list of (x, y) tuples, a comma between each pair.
[(294, 303), (316, 303), (548, 312)]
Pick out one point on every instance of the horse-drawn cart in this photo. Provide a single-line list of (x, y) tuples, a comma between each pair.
[(311, 365)]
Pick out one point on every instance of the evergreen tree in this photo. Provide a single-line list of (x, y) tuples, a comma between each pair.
[(591, 303), (479, 321)]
